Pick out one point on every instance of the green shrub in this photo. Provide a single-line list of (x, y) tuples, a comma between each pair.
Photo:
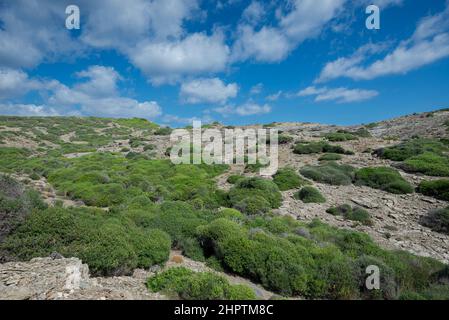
[(110, 246), (330, 157), (351, 213), (308, 148), (233, 179), (438, 189), (253, 205), (287, 179), (163, 131), (329, 173), (411, 148), (383, 178), (430, 164), (16, 203), (255, 195), (437, 220), (310, 195), (340, 136), (283, 139), (190, 285), (149, 147), (318, 147)]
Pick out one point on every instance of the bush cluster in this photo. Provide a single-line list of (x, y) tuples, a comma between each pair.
[(309, 194), (318, 147), (190, 285), (329, 173), (438, 189), (383, 178), (330, 157), (437, 220), (314, 260), (109, 245), (351, 213), (255, 195), (287, 179), (16, 203)]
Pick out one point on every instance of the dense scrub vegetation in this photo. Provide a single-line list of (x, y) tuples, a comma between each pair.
[(437, 220), (16, 203), (287, 179), (314, 260), (318, 147), (109, 245), (411, 148), (255, 196), (426, 156), (438, 189), (330, 157), (351, 213), (383, 178), (151, 206), (329, 173), (188, 285), (309, 194)]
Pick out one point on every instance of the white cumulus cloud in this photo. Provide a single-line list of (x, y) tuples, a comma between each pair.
[(340, 95), (211, 90)]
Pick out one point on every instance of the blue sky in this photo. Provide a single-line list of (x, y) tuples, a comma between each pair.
[(235, 61)]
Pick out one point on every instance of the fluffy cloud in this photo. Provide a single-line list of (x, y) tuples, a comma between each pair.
[(305, 20), (208, 91), (19, 109), (135, 21), (21, 45), (254, 13), (14, 83), (340, 95), (169, 61), (247, 109), (429, 43), (97, 95)]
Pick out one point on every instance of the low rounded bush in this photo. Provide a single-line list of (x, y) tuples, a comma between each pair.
[(340, 136), (411, 148), (109, 245), (330, 157), (287, 179), (383, 178), (16, 203), (230, 213), (310, 195), (283, 139), (351, 213), (318, 147), (233, 179), (253, 205), (438, 189), (258, 188), (437, 220), (430, 164), (329, 173), (190, 285)]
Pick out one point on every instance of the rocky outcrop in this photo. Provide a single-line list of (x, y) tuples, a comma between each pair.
[(67, 279)]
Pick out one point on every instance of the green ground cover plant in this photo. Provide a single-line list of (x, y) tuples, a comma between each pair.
[(309, 194), (329, 173), (287, 179), (189, 285), (438, 189), (383, 178), (351, 213)]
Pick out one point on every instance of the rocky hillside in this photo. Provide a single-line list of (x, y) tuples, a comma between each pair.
[(380, 187)]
